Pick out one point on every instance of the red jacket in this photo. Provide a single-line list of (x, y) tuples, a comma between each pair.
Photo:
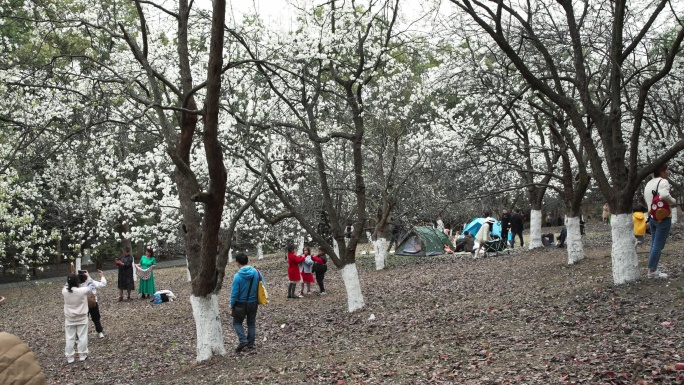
[(293, 262), (318, 259)]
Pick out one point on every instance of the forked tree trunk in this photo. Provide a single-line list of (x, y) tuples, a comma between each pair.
[(535, 240), (380, 246), (205, 311), (350, 277), (574, 240), (624, 257)]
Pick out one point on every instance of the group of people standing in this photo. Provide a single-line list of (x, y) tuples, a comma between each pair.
[(145, 268), (81, 301), (513, 223), (301, 269)]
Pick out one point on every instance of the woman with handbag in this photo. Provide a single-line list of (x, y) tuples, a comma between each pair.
[(244, 302), (93, 303), (146, 274)]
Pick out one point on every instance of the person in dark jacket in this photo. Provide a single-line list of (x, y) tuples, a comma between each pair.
[(505, 224), (244, 291), (465, 243), (320, 267), (397, 230), (517, 227), (125, 281)]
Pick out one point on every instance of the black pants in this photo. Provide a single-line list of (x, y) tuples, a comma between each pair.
[(320, 275), (95, 316), (504, 234), (394, 241), (522, 243), (547, 239)]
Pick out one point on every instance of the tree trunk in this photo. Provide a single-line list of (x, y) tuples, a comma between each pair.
[(336, 247), (300, 247), (350, 276), (574, 240), (380, 246), (624, 257), (260, 251), (205, 310), (535, 230)]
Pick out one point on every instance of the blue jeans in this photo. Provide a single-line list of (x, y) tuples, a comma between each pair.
[(659, 233), (250, 314)]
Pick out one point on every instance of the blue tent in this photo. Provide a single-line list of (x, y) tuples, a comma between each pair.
[(474, 226)]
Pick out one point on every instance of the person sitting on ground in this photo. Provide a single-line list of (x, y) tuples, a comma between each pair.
[(465, 243), (547, 239), (447, 249)]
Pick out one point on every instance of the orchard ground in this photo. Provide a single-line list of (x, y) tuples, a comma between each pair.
[(520, 318)]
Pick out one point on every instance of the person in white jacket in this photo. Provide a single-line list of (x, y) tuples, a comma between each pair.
[(76, 315), (660, 230), (94, 311), (482, 235)]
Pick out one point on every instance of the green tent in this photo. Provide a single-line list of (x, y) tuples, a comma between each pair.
[(422, 241)]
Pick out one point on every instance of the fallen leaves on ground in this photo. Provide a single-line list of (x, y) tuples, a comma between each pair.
[(525, 317)]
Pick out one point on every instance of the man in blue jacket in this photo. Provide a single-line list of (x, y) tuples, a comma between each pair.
[(243, 301)]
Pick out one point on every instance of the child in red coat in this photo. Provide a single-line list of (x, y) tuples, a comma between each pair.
[(293, 274)]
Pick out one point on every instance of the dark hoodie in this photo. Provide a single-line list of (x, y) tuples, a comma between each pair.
[(241, 282)]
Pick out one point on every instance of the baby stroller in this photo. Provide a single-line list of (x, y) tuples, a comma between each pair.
[(494, 246)]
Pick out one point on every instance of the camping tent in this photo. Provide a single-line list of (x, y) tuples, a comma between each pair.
[(474, 226), (422, 241)]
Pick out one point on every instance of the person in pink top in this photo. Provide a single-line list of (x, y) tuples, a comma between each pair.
[(293, 274)]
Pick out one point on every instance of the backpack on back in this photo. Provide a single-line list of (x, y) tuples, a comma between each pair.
[(659, 209)]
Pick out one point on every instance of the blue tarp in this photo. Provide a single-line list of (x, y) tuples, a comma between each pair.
[(474, 226)]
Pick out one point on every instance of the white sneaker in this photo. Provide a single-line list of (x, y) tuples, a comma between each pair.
[(101, 335), (657, 275)]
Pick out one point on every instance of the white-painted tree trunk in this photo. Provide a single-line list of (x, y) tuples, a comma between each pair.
[(624, 257), (574, 240), (336, 247), (87, 253), (535, 230), (205, 310), (187, 268), (300, 248), (78, 264), (674, 215), (230, 255), (350, 277), (380, 247), (260, 251)]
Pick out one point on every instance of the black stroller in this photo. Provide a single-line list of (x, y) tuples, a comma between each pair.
[(494, 246)]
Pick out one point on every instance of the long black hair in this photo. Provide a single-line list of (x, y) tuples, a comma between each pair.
[(72, 282)]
